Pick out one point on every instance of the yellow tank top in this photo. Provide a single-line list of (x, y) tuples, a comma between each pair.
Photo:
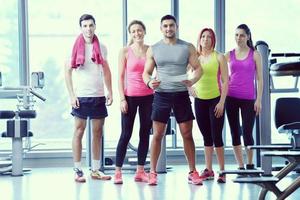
[(208, 85)]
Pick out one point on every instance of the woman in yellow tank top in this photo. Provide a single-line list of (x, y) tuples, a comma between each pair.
[(210, 93)]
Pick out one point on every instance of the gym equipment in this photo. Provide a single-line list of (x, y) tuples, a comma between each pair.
[(287, 121), (263, 124), (18, 123), (272, 68), (37, 80), (269, 183), (24, 94), (17, 129), (250, 172), (276, 69), (291, 68)]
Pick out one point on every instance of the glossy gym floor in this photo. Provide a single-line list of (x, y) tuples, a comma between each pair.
[(58, 184)]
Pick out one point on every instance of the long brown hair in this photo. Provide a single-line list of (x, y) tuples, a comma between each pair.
[(248, 32)]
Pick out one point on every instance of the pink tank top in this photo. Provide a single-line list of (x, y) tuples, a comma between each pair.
[(134, 84), (242, 76)]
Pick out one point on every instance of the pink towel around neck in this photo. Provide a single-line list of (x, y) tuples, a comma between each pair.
[(78, 52)]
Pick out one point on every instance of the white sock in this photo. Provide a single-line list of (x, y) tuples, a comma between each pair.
[(77, 165), (95, 165)]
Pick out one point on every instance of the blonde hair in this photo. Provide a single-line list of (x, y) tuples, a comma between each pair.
[(133, 22)]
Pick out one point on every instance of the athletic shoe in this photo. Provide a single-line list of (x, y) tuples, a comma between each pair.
[(194, 178), (99, 175), (241, 175), (141, 176), (250, 166), (118, 178), (79, 176), (207, 175), (222, 178), (152, 178)]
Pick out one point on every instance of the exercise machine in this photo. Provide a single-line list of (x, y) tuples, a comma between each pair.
[(17, 129), (17, 125), (268, 184), (286, 68)]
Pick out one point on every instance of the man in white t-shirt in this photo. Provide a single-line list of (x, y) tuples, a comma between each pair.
[(85, 76)]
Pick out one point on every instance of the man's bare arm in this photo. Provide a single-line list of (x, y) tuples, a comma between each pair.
[(107, 81), (194, 65), (148, 70), (69, 83)]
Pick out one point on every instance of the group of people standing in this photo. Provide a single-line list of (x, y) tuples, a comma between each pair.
[(153, 81)]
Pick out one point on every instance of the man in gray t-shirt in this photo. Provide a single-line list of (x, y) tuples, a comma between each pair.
[(171, 56)]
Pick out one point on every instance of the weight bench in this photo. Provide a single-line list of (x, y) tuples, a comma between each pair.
[(269, 183), (287, 121), (17, 129)]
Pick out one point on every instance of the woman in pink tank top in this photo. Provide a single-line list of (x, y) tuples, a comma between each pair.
[(245, 73), (134, 95)]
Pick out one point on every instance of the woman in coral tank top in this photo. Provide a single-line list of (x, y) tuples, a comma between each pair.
[(244, 92)]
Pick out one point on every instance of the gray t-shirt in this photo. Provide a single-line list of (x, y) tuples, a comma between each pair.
[(171, 61)]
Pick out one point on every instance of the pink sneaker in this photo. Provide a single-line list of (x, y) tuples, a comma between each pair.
[(141, 176), (118, 178), (207, 175), (152, 178), (194, 178)]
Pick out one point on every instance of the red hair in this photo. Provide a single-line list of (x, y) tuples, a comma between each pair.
[(213, 39)]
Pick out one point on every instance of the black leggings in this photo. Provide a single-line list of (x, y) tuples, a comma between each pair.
[(233, 106), (210, 126), (145, 108)]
